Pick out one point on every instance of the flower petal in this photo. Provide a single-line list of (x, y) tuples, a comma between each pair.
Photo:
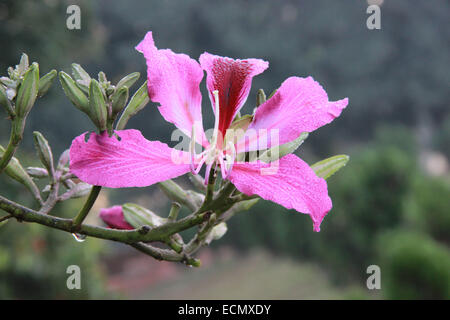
[(173, 81), (299, 105), (114, 218), (131, 162), (233, 79), (290, 183)]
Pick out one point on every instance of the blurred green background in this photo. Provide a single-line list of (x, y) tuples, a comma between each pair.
[(391, 202)]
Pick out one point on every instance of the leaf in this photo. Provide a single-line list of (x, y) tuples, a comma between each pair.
[(327, 167)]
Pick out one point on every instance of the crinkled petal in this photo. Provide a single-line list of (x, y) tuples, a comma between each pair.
[(173, 81), (114, 218), (290, 183), (131, 162), (299, 105), (233, 79)]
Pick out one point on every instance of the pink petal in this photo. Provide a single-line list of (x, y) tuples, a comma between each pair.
[(292, 184), (233, 79), (299, 105), (131, 162), (173, 81), (114, 218)]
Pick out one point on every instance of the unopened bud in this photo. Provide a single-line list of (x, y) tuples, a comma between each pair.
[(119, 100), (114, 218), (79, 73), (46, 82), (26, 96), (74, 93), (15, 171), (37, 172), (23, 64), (128, 80), (217, 232), (137, 102), (4, 101), (97, 105), (260, 97), (64, 158), (138, 216), (44, 151)]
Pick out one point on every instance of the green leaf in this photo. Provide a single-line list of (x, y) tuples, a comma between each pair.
[(327, 167), (138, 216), (278, 152)]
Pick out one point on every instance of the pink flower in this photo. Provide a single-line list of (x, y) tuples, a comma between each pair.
[(299, 105), (114, 218)]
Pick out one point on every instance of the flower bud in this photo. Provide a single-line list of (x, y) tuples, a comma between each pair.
[(26, 96), (217, 232), (138, 216), (44, 151), (46, 82), (137, 102), (74, 93), (64, 159), (77, 191), (97, 106), (37, 172), (15, 171), (119, 100), (260, 97), (23, 64), (128, 80), (79, 73), (4, 101), (114, 218)]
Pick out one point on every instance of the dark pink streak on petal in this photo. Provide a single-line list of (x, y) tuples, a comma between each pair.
[(131, 162), (294, 186), (233, 79), (114, 218), (299, 105), (173, 81)]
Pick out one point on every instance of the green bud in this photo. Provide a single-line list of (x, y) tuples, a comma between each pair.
[(15, 171), (138, 216), (44, 151), (260, 97), (97, 105), (23, 64), (278, 152), (37, 172), (128, 80), (26, 96), (74, 93), (46, 82), (102, 77), (79, 190), (79, 73), (216, 233), (137, 102), (119, 100), (4, 101), (326, 168)]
